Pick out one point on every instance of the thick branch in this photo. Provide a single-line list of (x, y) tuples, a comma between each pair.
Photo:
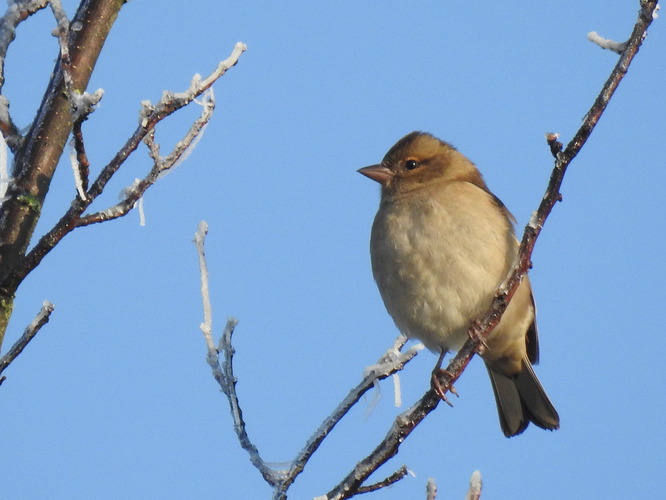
[(36, 159)]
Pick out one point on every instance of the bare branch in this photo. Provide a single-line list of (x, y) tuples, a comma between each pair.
[(224, 374), (62, 32), (392, 479), (29, 333), (402, 426), (161, 165), (17, 11), (79, 159), (207, 325)]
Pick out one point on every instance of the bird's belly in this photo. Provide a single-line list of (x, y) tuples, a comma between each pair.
[(434, 283)]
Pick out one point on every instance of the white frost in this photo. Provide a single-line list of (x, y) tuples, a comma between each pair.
[(605, 43)]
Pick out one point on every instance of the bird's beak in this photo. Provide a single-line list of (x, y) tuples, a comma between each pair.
[(378, 173)]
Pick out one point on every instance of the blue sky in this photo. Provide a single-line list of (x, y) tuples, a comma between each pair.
[(114, 399)]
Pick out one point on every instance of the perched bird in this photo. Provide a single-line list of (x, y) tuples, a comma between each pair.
[(441, 243)]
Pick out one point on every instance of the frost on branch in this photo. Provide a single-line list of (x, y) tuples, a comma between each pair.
[(606, 43)]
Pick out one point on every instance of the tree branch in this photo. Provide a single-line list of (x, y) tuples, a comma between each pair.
[(388, 481), (32, 329), (161, 165)]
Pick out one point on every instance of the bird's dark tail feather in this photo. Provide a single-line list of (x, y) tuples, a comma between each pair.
[(520, 400)]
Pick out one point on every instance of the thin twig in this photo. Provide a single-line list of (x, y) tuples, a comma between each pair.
[(228, 385), (388, 481), (28, 334), (82, 166), (605, 43), (405, 423), (161, 165), (207, 325), (81, 103), (17, 12), (224, 373), (62, 33)]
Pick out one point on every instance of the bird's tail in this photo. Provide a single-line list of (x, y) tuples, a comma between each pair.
[(520, 400)]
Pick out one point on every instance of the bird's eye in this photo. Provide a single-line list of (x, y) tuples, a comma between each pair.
[(411, 164)]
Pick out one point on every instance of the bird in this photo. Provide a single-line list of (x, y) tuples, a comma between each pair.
[(440, 245)]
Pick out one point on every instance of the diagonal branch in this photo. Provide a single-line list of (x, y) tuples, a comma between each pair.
[(401, 473), (161, 165), (32, 329), (406, 422)]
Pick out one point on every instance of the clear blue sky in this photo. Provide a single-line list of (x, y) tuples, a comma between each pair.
[(114, 399)]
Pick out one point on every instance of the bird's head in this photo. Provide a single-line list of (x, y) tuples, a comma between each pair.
[(419, 160)]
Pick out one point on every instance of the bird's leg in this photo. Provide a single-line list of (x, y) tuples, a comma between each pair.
[(436, 383)]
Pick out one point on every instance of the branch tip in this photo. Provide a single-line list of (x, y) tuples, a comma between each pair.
[(431, 489), (475, 486), (605, 43), (401, 473), (553, 143)]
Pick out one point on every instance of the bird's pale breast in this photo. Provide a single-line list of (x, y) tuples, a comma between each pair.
[(438, 254)]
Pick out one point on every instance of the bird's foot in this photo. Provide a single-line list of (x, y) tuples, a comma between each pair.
[(475, 334), (441, 388)]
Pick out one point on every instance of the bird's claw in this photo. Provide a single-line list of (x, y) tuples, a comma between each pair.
[(441, 389)]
